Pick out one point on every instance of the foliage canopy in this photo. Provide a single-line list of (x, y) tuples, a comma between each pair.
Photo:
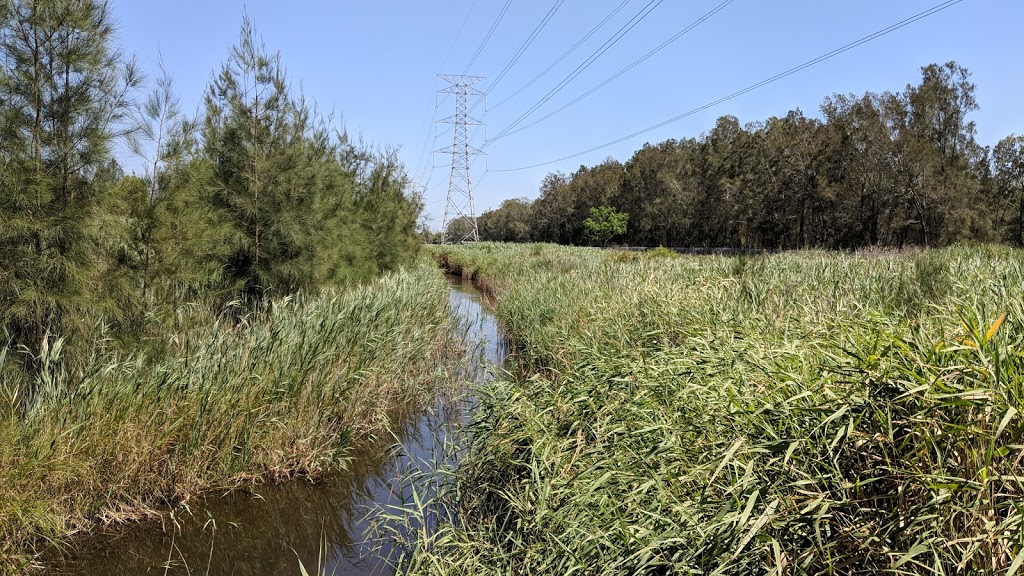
[(881, 169), (604, 224)]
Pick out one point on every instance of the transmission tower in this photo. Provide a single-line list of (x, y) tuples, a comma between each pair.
[(460, 188)]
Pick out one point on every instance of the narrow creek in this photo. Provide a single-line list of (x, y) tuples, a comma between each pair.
[(324, 525)]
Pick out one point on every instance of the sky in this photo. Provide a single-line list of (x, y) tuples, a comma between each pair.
[(375, 66)]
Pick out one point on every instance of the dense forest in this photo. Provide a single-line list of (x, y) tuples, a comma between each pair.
[(256, 197), (889, 169)]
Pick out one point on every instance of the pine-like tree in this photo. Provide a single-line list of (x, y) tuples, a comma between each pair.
[(267, 153), (388, 214), (64, 94)]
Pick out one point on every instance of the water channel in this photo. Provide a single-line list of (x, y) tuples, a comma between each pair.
[(325, 525)]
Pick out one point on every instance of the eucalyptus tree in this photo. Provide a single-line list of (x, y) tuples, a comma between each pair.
[(786, 176), (459, 227), (891, 168), (858, 167), (942, 153), (553, 208), (64, 98), (510, 222), (656, 192), (1008, 160), (727, 210), (590, 187)]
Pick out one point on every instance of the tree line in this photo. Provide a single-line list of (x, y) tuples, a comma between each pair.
[(255, 197), (889, 169)]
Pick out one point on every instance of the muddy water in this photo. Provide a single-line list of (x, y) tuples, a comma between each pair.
[(325, 525)]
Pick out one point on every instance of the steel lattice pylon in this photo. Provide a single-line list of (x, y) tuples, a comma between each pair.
[(460, 188)]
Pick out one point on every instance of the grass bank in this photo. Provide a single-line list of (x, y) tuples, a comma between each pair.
[(802, 413), (291, 393)]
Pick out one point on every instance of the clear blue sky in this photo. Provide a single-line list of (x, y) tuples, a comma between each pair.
[(375, 64)]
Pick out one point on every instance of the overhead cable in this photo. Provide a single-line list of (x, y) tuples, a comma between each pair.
[(632, 23), (487, 37), (752, 87), (565, 54), (522, 49), (634, 64)]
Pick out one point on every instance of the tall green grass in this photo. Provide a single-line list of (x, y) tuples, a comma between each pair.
[(804, 413), (293, 392)]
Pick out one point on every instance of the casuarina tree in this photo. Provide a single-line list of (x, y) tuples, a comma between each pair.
[(64, 98), (266, 153)]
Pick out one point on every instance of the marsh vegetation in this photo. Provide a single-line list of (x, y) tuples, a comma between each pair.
[(213, 320), (803, 413)]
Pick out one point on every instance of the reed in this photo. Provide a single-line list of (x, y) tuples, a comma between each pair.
[(802, 413), (289, 393)]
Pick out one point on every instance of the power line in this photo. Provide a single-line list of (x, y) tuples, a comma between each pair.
[(533, 36), (519, 53), (752, 87), (566, 54), (634, 64), (530, 39), (482, 178), (437, 136), (487, 38), (481, 175), (636, 19), (420, 166), (459, 34), (431, 129)]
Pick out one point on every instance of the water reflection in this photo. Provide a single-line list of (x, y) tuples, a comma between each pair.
[(483, 328), (325, 525)]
